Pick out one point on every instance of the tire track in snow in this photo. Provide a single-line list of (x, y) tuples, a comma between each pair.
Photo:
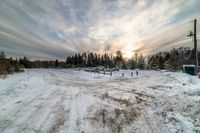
[(58, 114), (16, 117)]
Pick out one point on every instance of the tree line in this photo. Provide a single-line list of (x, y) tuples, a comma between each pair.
[(172, 60), (8, 65)]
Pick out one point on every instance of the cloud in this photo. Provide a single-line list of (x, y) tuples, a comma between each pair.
[(59, 28)]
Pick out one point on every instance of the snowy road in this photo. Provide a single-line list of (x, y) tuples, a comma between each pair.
[(66, 101)]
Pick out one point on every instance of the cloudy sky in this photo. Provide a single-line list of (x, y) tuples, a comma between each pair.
[(59, 28)]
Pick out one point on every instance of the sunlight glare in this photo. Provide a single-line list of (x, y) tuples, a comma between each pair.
[(128, 53)]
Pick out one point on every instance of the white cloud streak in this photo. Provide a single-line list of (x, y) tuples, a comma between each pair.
[(58, 28)]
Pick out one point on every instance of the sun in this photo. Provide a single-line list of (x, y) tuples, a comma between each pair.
[(128, 53)]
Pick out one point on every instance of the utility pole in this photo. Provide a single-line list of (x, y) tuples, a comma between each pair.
[(195, 42)]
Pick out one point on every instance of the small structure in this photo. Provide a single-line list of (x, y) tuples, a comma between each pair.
[(189, 69)]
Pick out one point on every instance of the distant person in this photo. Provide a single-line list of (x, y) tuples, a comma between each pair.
[(137, 73)]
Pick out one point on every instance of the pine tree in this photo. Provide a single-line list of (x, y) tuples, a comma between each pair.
[(25, 62), (8, 65), (119, 59), (56, 63), (75, 59), (172, 63), (80, 60), (141, 62), (131, 64), (2, 63), (161, 61), (2, 55), (84, 59)]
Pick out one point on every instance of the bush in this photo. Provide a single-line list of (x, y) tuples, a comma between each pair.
[(8, 65)]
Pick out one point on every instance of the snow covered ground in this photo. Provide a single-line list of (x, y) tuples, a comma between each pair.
[(66, 101)]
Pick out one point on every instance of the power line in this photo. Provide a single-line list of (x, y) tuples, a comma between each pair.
[(178, 26), (168, 43), (164, 45)]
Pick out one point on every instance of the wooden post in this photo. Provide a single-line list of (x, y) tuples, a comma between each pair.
[(131, 74), (122, 74), (111, 73)]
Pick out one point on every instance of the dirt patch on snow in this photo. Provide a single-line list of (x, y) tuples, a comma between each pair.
[(60, 118), (159, 87), (112, 119), (115, 119), (107, 97), (142, 98)]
